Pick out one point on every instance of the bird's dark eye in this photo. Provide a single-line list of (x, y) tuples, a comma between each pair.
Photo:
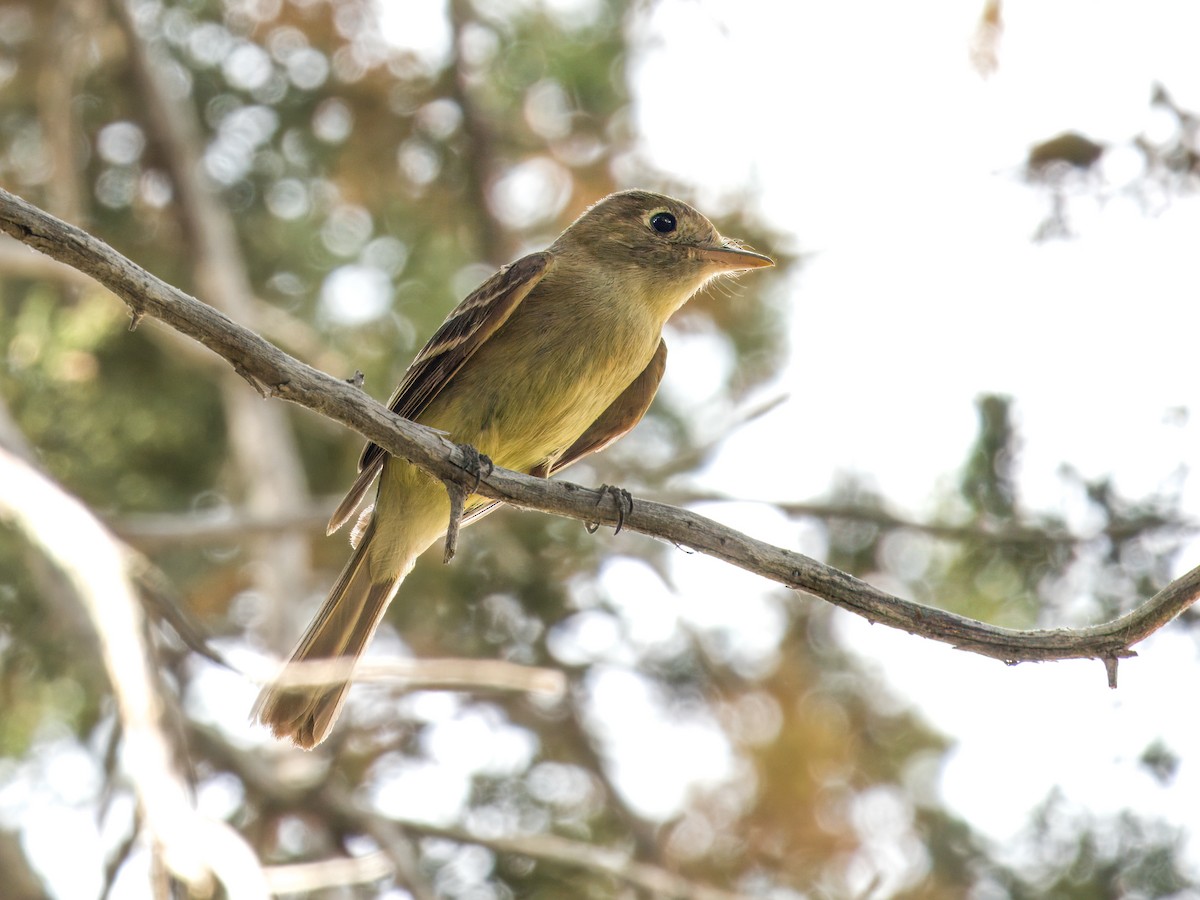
[(663, 222)]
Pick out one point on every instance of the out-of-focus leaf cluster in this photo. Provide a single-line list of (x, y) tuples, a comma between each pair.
[(1158, 163)]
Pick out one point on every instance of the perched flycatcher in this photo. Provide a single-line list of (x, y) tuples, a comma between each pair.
[(552, 358)]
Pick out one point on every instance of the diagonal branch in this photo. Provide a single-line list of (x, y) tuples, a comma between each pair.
[(276, 374)]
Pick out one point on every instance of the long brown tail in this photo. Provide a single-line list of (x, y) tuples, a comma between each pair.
[(340, 631)]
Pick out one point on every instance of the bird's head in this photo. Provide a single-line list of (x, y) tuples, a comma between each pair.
[(655, 242)]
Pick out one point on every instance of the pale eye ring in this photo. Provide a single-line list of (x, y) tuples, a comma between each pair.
[(663, 222)]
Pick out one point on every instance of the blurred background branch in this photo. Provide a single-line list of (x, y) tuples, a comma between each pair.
[(263, 449), (336, 805), (193, 848)]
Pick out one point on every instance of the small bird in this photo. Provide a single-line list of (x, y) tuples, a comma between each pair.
[(554, 357)]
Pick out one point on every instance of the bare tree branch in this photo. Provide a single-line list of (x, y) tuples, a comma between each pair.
[(193, 847), (276, 374)]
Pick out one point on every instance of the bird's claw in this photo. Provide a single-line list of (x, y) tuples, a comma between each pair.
[(473, 463), (624, 501)]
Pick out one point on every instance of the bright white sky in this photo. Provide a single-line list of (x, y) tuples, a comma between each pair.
[(866, 134)]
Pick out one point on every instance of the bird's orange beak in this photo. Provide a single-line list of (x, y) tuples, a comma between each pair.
[(730, 258)]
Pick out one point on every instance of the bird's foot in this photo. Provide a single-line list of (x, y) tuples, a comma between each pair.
[(624, 501), (473, 463)]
